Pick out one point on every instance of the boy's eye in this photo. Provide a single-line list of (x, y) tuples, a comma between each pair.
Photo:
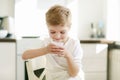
[(63, 32), (52, 32)]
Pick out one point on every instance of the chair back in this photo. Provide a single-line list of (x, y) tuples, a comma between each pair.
[(36, 68)]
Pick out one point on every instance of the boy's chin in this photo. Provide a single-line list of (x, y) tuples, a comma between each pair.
[(58, 40)]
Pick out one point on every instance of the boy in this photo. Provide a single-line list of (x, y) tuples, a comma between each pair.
[(63, 53)]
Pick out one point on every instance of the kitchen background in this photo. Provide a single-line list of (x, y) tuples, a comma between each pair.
[(94, 22), (102, 13)]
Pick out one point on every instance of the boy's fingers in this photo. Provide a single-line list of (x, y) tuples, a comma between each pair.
[(57, 50), (55, 46)]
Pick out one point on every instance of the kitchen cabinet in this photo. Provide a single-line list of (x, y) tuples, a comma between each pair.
[(94, 61), (114, 61), (20, 68), (7, 60)]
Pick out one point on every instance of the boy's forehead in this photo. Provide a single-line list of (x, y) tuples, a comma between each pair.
[(54, 28), (58, 26)]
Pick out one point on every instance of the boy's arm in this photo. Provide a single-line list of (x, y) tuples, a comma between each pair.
[(74, 62), (72, 66), (50, 48), (34, 53)]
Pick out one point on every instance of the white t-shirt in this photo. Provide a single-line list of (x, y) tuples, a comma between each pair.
[(57, 68)]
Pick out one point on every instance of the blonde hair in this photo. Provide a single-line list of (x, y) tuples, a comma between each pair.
[(58, 15)]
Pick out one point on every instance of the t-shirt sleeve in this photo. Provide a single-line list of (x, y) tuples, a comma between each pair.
[(44, 42), (78, 53)]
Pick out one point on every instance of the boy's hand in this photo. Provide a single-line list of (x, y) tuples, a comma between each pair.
[(52, 48), (60, 51), (64, 54)]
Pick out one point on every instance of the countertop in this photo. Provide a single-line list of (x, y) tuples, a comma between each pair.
[(102, 41), (7, 40)]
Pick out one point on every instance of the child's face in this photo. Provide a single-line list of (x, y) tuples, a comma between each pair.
[(58, 33)]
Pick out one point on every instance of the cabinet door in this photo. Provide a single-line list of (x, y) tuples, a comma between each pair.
[(95, 61), (20, 68), (7, 61)]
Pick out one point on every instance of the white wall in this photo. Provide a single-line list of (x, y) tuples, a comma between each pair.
[(113, 20), (90, 11), (6, 8)]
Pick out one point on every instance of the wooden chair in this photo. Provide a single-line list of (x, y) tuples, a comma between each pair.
[(35, 74)]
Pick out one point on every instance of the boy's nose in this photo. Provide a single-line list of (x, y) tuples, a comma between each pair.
[(57, 36)]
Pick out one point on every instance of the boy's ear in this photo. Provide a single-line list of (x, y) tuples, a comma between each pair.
[(47, 24), (69, 25)]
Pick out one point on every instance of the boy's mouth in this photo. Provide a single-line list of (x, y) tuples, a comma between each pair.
[(58, 40)]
